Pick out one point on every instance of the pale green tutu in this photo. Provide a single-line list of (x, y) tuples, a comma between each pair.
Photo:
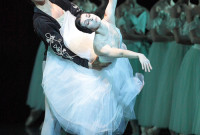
[(35, 95), (185, 110), (171, 65), (145, 102)]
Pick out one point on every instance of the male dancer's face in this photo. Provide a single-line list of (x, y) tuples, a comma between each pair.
[(40, 2)]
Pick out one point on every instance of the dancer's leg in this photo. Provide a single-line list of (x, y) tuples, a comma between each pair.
[(51, 125), (153, 131), (135, 127), (34, 116), (173, 133), (144, 130)]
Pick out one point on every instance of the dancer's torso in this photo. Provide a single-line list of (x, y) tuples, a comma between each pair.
[(111, 37)]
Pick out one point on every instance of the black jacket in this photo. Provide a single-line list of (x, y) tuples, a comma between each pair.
[(47, 28)]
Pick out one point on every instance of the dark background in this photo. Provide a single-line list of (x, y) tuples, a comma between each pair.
[(18, 48)]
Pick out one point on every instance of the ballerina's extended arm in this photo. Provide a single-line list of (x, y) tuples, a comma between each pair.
[(119, 53), (110, 11), (116, 52)]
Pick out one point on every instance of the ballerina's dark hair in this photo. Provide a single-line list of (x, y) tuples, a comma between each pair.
[(78, 24)]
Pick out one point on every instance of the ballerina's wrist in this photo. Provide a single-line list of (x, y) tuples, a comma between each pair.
[(138, 55)]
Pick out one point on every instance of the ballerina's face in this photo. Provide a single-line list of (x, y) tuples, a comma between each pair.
[(90, 21)]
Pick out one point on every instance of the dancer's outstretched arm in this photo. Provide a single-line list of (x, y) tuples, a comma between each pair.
[(110, 11), (119, 53)]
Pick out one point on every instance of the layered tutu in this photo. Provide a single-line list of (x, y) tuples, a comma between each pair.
[(170, 68), (35, 95), (185, 110), (146, 99), (87, 101)]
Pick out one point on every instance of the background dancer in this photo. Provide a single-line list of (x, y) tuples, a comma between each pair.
[(184, 118)]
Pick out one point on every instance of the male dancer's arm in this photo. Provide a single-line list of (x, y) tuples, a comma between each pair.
[(73, 8), (51, 36)]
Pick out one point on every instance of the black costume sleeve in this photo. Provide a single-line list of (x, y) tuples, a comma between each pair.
[(74, 9), (51, 36)]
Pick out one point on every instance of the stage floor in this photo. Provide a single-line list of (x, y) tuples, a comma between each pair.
[(20, 129)]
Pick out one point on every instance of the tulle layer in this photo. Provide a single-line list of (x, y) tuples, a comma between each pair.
[(185, 111), (35, 95), (170, 68), (145, 103), (90, 102)]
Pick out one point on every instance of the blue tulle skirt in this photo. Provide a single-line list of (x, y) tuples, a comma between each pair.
[(91, 102)]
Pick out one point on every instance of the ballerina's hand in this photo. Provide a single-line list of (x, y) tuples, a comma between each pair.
[(97, 65), (146, 65)]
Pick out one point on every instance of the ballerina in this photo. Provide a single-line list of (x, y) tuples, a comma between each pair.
[(185, 91), (103, 101), (132, 20), (108, 48), (162, 38), (171, 64), (35, 98)]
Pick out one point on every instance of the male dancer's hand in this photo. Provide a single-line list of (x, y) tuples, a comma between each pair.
[(97, 65)]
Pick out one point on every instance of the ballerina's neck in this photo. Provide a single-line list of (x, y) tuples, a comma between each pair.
[(102, 28)]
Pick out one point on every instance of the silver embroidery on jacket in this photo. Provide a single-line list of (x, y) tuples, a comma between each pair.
[(57, 45)]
